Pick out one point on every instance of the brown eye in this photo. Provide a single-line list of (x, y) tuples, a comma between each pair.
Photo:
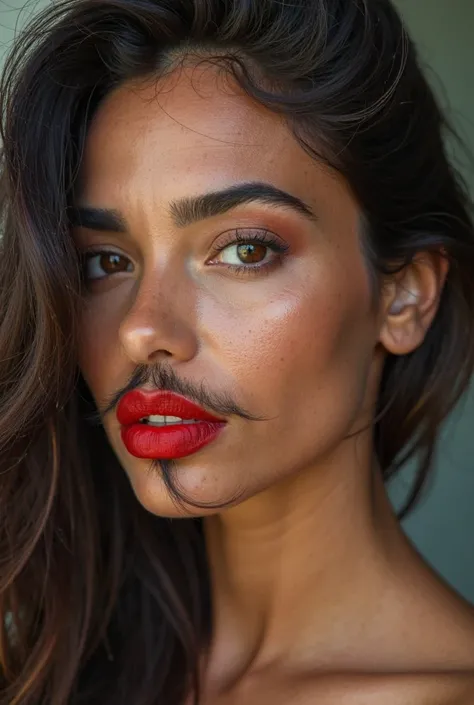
[(103, 264), (112, 263), (251, 253)]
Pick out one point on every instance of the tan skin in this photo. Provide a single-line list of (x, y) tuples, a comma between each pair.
[(317, 593)]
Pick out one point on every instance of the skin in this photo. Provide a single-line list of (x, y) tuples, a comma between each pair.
[(311, 573)]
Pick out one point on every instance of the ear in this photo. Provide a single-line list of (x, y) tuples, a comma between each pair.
[(410, 300)]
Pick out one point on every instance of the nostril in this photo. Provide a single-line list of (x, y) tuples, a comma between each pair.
[(159, 354)]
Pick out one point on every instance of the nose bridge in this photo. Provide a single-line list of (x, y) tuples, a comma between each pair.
[(160, 320)]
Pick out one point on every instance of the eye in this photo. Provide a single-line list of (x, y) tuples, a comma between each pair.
[(245, 253), (248, 251), (98, 265)]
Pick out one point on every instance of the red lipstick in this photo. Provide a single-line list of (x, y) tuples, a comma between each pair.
[(164, 425)]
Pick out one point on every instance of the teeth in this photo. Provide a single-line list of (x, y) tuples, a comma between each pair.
[(164, 419), (155, 420)]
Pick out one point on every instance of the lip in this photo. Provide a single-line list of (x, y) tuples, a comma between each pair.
[(164, 442)]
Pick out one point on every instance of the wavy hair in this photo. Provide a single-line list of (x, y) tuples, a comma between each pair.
[(103, 603)]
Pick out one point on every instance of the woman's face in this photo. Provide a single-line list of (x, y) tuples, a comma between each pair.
[(226, 261)]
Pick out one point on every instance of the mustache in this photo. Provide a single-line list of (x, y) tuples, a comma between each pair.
[(162, 377)]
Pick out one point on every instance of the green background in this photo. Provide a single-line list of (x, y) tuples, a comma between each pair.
[(443, 525)]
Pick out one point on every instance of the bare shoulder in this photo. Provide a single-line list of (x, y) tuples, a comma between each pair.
[(449, 626), (404, 689), (456, 688), (432, 632)]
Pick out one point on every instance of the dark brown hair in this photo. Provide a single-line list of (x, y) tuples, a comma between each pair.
[(101, 602)]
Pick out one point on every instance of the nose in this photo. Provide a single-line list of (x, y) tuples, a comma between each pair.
[(159, 324)]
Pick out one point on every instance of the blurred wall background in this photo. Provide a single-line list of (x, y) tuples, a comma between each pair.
[(443, 526)]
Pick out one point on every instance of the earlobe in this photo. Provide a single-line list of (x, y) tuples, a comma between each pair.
[(410, 302)]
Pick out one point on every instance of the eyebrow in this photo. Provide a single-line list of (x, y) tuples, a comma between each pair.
[(193, 209), (103, 219)]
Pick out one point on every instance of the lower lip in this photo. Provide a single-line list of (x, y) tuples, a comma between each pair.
[(169, 442)]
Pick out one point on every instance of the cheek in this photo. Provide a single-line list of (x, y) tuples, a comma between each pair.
[(98, 347), (304, 354)]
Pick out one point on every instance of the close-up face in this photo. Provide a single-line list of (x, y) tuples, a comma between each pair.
[(228, 262)]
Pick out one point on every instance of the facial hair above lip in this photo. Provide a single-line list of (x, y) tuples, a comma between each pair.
[(163, 377), (140, 404)]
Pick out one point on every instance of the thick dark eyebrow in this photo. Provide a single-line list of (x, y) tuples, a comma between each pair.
[(196, 208), (193, 209), (97, 219)]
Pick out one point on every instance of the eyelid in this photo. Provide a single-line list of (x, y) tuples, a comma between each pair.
[(246, 235), (98, 249), (94, 250)]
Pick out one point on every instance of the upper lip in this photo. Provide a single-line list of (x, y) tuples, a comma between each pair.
[(140, 403)]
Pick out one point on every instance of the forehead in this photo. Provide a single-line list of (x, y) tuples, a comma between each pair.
[(194, 126)]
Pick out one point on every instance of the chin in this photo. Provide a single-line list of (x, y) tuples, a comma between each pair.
[(167, 490)]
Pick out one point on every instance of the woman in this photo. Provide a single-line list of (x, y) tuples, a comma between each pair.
[(237, 296)]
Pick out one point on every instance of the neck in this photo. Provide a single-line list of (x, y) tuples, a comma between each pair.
[(292, 565)]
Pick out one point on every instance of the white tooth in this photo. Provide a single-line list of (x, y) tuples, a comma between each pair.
[(156, 419)]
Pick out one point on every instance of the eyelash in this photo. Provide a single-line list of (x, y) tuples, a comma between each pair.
[(237, 237), (251, 237)]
